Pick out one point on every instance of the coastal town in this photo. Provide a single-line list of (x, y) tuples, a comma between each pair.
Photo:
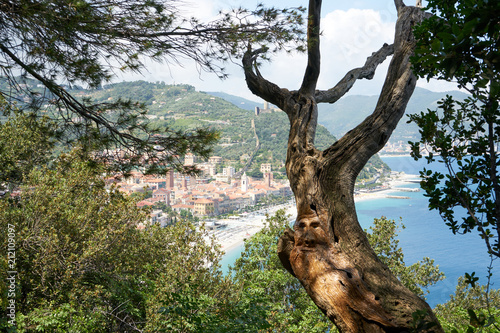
[(223, 196), (207, 195)]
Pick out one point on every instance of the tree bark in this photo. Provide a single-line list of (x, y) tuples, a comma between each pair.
[(328, 250)]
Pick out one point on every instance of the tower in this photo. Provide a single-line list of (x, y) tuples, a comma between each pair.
[(170, 179), (267, 179), (244, 182)]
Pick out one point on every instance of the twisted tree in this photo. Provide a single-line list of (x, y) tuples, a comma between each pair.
[(328, 250)]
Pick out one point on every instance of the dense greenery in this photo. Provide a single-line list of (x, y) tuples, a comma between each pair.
[(84, 266), (261, 274), (26, 143), (471, 309), (460, 42)]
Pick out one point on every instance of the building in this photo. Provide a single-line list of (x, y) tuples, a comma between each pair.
[(268, 176), (163, 195), (228, 171), (189, 159), (265, 167), (222, 178), (135, 177), (170, 179), (204, 207), (179, 207), (215, 160), (155, 184), (244, 183)]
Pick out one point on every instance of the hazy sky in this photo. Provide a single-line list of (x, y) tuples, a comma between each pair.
[(351, 31)]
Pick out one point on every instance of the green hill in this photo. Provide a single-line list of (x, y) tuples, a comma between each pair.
[(240, 102), (181, 107)]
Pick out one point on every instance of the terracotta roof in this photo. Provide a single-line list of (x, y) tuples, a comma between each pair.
[(203, 201), (182, 206), (161, 191), (144, 203), (156, 180)]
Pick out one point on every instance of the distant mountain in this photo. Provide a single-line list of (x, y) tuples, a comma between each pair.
[(240, 102), (349, 111)]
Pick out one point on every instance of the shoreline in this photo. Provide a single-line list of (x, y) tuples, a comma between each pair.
[(235, 232), (390, 187)]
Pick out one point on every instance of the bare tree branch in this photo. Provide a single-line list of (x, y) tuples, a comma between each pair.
[(399, 5), (370, 136), (365, 72), (260, 86), (313, 52)]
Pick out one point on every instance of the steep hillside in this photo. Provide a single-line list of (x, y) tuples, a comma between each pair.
[(240, 102), (182, 107)]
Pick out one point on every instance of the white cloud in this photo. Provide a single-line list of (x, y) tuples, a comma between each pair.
[(348, 38)]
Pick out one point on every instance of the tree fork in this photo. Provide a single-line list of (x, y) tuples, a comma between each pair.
[(328, 251)]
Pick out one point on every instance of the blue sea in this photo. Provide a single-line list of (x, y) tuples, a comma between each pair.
[(425, 235)]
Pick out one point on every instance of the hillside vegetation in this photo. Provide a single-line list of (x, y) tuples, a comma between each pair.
[(181, 107)]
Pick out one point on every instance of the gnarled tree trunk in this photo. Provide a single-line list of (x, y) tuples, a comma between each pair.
[(327, 250)]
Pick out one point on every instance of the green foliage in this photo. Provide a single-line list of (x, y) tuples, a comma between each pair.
[(26, 142), (82, 263), (471, 182), (190, 311), (263, 279), (420, 323), (71, 262), (470, 309), (418, 276), (460, 42)]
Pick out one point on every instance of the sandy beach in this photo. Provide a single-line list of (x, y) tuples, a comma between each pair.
[(236, 231), (388, 188)]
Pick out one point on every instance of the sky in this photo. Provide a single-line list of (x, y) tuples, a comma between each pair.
[(351, 31)]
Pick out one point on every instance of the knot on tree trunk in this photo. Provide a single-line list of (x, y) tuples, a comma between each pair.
[(285, 246)]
